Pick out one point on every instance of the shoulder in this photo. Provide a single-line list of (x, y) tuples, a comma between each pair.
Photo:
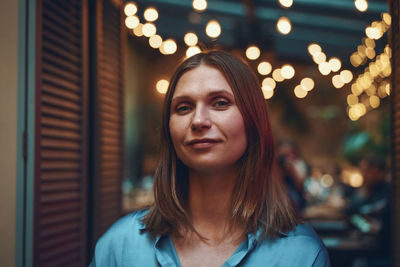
[(298, 247), (124, 235)]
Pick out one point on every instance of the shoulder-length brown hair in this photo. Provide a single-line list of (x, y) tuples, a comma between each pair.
[(259, 200)]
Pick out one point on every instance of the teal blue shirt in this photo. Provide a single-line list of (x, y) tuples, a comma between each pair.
[(126, 244)]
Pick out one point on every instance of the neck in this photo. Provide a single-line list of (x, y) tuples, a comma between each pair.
[(210, 196)]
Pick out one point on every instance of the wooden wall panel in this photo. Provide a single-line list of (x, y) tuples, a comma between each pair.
[(60, 208), (109, 115)]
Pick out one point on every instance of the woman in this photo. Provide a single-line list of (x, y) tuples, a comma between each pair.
[(216, 201)]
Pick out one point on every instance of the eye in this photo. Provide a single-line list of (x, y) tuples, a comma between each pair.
[(182, 108), (221, 103)]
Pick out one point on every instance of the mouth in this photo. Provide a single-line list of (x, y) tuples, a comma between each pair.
[(203, 143)]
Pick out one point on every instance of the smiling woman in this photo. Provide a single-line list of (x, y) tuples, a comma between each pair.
[(217, 200)]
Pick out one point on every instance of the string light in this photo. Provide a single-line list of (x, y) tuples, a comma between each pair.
[(277, 75), (299, 92), (337, 82), (307, 84), (149, 29), (324, 68), (190, 39), (132, 22), (199, 5), (267, 93), (253, 52), (283, 25), (213, 29), (287, 71), (162, 86), (264, 68), (268, 84), (150, 14), (193, 50), (138, 31), (155, 41), (130, 9), (361, 5), (286, 3), (169, 46), (335, 64)]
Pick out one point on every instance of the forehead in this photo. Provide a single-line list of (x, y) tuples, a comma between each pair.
[(201, 80)]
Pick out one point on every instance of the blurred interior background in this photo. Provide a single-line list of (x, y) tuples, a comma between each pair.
[(83, 89)]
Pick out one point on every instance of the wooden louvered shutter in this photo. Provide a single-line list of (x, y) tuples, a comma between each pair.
[(60, 204), (395, 44), (108, 116)]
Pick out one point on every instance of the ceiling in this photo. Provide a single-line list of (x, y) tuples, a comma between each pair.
[(334, 24)]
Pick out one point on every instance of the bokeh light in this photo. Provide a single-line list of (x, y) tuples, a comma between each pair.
[(286, 3), (361, 5), (300, 92), (130, 9), (253, 52), (199, 5), (132, 22), (264, 68), (190, 39), (150, 14), (283, 25), (162, 86), (287, 71), (193, 50), (307, 84), (155, 41), (149, 29), (213, 29)]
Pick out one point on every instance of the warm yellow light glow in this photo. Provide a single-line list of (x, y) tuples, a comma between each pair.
[(388, 88), (388, 51), (314, 48), (132, 22), (337, 82), (319, 57), (369, 42), (162, 86), (264, 68), (190, 39), (277, 75), (371, 90), (387, 18), (149, 29), (268, 84), (267, 93), (150, 14), (155, 41), (355, 59), (253, 52), (370, 52), (199, 5), (300, 92), (346, 76), (356, 90), (169, 46), (193, 50), (356, 180), (335, 64), (213, 29), (283, 25), (324, 68), (307, 84), (373, 33), (374, 101), (286, 3), (361, 5), (130, 9), (138, 31), (287, 71), (352, 100)]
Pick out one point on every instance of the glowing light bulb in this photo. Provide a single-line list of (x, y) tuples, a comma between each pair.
[(324, 68), (132, 22), (374, 101), (268, 84), (150, 14), (283, 25), (162, 86), (361, 5), (307, 84), (138, 31), (287, 71), (346, 76), (267, 93), (277, 75), (213, 29), (299, 92), (314, 48), (199, 5), (130, 9), (352, 100), (190, 39), (193, 50), (337, 82), (253, 52), (169, 46), (335, 64), (286, 3), (149, 29), (155, 41), (319, 57), (264, 68)]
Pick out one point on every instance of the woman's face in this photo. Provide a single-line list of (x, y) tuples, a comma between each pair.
[(206, 126)]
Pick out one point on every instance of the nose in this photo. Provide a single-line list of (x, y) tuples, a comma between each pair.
[(201, 118)]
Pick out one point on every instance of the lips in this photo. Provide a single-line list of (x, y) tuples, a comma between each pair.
[(202, 143)]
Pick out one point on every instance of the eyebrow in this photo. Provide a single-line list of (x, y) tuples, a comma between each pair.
[(211, 94)]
